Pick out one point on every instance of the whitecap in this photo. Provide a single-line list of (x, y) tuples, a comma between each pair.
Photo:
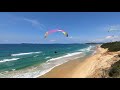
[(20, 54), (47, 57), (7, 60), (65, 56), (36, 55)]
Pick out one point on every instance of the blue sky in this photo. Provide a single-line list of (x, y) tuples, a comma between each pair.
[(30, 27)]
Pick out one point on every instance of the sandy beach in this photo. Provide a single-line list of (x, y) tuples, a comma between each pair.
[(91, 67)]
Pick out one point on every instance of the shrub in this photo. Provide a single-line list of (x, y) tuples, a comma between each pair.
[(115, 70), (112, 46)]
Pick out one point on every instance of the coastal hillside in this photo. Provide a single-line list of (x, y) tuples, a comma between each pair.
[(114, 70), (112, 46)]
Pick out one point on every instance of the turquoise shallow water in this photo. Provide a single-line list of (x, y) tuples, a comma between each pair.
[(15, 57)]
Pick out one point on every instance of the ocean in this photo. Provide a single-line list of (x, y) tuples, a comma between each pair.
[(33, 60)]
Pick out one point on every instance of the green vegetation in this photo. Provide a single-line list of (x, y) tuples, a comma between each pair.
[(115, 70), (112, 46)]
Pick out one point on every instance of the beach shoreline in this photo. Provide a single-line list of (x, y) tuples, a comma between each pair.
[(67, 67), (40, 69), (85, 68)]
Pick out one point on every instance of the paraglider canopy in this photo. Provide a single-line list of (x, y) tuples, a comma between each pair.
[(56, 30)]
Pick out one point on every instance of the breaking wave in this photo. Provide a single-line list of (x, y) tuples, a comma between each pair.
[(20, 54)]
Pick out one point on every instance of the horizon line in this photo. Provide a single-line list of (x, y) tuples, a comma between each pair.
[(54, 43)]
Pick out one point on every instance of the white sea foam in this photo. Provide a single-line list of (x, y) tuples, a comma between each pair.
[(36, 55), (47, 57), (7, 60), (20, 54), (13, 69), (94, 52), (86, 49), (77, 57), (44, 67), (47, 66), (33, 74), (65, 56)]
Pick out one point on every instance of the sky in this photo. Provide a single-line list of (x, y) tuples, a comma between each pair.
[(82, 27)]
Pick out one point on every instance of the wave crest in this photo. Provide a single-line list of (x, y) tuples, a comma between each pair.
[(7, 60), (20, 54)]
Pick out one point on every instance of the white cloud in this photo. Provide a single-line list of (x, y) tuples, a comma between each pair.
[(113, 27), (98, 40), (117, 26), (13, 19), (35, 23), (52, 40), (109, 37), (70, 37)]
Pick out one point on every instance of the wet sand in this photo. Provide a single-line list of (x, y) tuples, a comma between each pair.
[(63, 71)]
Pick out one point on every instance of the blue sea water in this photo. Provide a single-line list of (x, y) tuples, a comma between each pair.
[(15, 59)]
